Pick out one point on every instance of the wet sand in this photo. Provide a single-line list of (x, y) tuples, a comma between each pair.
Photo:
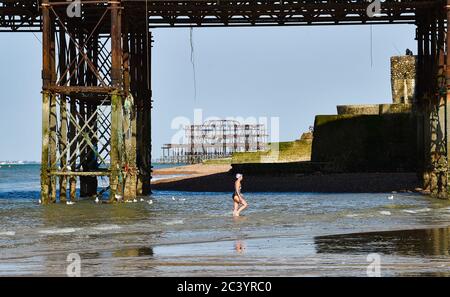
[(194, 234), (193, 170), (218, 178)]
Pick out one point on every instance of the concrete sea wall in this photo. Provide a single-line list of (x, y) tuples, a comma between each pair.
[(366, 143)]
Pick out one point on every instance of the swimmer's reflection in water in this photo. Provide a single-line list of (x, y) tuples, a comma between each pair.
[(239, 203), (240, 247)]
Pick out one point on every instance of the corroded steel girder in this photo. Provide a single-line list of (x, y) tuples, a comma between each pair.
[(17, 15), (25, 15)]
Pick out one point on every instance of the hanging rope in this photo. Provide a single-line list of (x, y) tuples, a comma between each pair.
[(35, 36), (191, 39), (371, 46)]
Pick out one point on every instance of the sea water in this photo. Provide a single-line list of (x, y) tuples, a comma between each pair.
[(181, 233)]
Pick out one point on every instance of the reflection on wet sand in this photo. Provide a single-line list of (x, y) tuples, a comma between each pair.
[(194, 234), (424, 242), (92, 231), (240, 247)]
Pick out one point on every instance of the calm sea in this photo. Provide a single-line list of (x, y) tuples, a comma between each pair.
[(191, 234)]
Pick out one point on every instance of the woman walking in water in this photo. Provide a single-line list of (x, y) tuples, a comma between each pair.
[(238, 200)]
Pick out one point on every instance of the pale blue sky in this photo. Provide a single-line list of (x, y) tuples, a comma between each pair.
[(290, 72)]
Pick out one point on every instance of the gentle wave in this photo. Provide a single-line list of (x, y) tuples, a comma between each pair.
[(73, 230), (7, 233), (174, 222), (411, 211), (60, 231), (107, 227)]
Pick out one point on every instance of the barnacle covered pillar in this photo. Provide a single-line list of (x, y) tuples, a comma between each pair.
[(46, 100), (129, 124), (144, 120), (116, 154), (432, 91), (138, 58)]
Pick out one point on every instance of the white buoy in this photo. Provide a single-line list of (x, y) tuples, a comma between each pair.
[(173, 198), (70, 203), (150, 202), (97, 200), (40, 201), (391, 197), (142, 200), (134, 200)]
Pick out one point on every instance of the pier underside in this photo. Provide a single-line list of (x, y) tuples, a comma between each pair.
[(96, 104), (96, 96)]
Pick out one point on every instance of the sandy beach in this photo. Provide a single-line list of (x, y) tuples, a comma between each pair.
[(218, 178)]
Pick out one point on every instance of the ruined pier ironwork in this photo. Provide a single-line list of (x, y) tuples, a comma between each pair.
[(215, 139), (96, 95)]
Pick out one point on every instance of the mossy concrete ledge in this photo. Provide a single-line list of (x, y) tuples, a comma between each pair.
[(373, 109), (366, 143)]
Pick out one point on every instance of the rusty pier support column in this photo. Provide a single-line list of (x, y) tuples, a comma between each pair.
[(53, 116), (421, 110), (144, 148), (46, 81), (444, 89), (130, 126), (63, 114), (72, 129), (433, 94), (116, 174), (137, 57)]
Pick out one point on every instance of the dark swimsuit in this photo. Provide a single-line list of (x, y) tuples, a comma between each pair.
[(235, 194)]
